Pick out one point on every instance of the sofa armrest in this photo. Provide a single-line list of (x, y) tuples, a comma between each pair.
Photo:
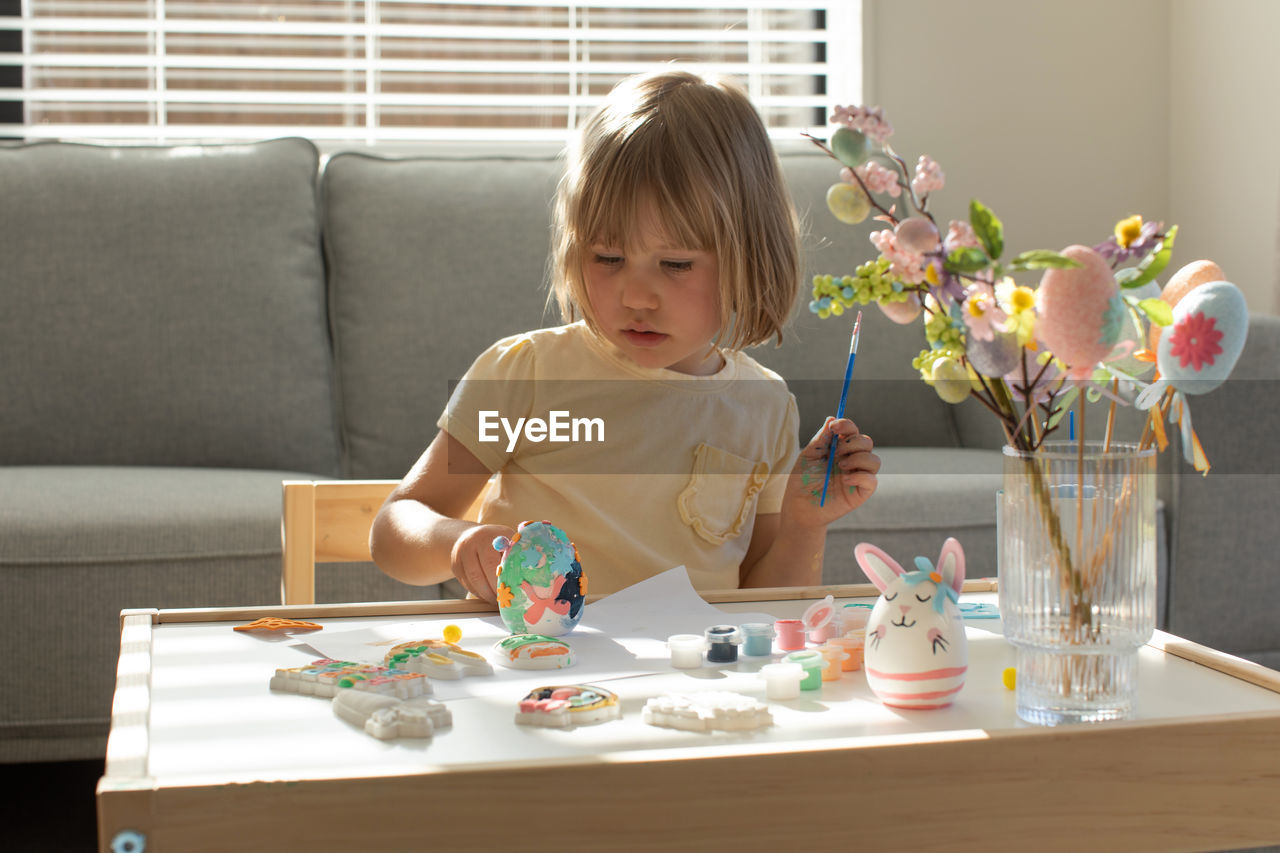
[(1223, 540)]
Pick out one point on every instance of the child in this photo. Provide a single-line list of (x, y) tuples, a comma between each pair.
[(676, 246)]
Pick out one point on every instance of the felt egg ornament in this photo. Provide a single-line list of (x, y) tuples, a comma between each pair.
[(1182, 282), (1078, 310), (541, 587), (902, 312), (1199, 349)]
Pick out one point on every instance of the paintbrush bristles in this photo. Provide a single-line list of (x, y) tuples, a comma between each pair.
[(857, 330)]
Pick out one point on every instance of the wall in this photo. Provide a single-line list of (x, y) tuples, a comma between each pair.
[(1063, 117), (1225, 123)]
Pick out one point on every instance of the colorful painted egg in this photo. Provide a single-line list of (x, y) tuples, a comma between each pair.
[(541, 587), (1179, 285), (1199, 349), (1077, 316)]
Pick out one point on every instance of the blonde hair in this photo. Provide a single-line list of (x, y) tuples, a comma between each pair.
[(696, 150)]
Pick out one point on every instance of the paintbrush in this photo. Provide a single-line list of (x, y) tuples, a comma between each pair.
[(844, 396)]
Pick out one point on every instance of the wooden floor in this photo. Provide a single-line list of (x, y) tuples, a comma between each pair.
[(49, 808)]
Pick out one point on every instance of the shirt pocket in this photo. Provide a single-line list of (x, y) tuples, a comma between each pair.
[(721, 496)]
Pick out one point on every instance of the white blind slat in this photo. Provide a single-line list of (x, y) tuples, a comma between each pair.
[(396, 70)]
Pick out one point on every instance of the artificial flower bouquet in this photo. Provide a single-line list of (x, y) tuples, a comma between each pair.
[(1096, 326)]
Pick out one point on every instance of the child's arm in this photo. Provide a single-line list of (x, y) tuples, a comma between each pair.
[(787, 547), (419, 536)]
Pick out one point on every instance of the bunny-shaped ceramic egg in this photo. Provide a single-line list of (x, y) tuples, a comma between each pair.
[(916, 655)]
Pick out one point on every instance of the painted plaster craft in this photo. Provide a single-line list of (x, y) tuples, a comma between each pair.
[(386, 717), (568, 705), (437, 659), (533, 651), (279, 623), (704, 712), (326, 677), (916, 653), (541, 586)]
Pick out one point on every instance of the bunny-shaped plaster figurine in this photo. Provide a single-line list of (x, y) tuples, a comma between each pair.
[(916, 655)]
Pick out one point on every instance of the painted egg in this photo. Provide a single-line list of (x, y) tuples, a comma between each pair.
[(917, 234), (950, 380), (848, 203), (995, 357), (902, 312), (1076, 309), (1199, 349), (541, 587), (1180, 284), (849, 146)]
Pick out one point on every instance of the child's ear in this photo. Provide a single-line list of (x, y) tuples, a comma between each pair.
[(879, 567), (951, 564)]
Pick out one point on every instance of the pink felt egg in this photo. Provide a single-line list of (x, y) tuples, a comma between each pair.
[(917, 234), (1075, 309), (1199, 349), (901, 312)]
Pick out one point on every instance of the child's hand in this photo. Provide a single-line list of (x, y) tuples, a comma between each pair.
[(475, 562), (853, 476)]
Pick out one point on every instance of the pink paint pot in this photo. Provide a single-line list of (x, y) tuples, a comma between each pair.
[(819, 620), (790, 634)]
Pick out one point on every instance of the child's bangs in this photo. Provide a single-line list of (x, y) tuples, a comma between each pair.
[(614, 212)]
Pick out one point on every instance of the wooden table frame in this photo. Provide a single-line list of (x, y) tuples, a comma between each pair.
[(1177, 784)]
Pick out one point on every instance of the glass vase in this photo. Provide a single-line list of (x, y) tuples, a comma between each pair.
[(1077, 566)]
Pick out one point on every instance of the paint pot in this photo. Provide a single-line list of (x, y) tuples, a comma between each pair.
[(782, 680), (757, 639), (813, 663), (820, 622), (722, 643), (686, 650), (790, 634), (853, 643), (854, 617), (834, 655)]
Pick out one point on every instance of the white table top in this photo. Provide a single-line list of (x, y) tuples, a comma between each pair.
[(211, 718)]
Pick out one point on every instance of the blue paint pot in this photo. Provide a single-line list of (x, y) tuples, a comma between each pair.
[(757, 639)]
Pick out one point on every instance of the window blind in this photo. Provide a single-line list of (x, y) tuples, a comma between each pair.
[(372, 71)]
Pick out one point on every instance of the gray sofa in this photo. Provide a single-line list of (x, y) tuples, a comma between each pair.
[(182, 328)]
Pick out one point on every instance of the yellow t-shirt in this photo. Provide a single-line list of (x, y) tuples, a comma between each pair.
[(644, 468)]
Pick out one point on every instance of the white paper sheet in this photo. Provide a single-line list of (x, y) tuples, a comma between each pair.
[(620, 636)]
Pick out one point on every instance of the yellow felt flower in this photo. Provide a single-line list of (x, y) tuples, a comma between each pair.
[(1019, 303), (1128, 230), (504, 595)]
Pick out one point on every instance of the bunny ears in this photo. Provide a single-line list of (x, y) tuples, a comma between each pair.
[(882, 570)]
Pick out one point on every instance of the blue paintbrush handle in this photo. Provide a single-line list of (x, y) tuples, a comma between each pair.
[(831, 450)]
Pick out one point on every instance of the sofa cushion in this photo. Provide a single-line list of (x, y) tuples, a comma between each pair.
[(420, 288), (81, 543), (924, 495), (431, 259), (173, 307)]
